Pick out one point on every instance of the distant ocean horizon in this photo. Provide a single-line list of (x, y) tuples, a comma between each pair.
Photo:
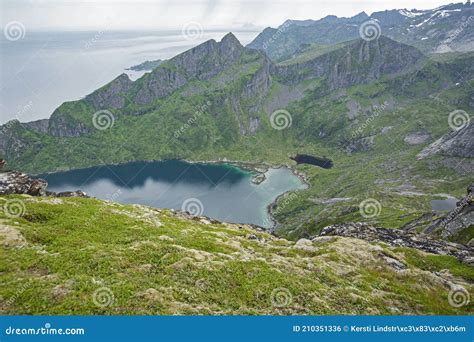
[(44, 69)]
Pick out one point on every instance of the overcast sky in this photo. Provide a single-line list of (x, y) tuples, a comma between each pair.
[(173, 14)]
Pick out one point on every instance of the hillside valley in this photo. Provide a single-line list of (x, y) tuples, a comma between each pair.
[(373, 114)]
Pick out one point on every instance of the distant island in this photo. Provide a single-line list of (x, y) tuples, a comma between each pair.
[(146, 66)]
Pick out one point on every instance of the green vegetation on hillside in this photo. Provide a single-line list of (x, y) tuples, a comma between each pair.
[(372, 132), (85, 256)]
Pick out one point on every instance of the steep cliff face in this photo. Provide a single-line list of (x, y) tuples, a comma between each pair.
[(356, 63), (66, 126), (16, 138), (111, 95), (40, 126), (253, 93), (457, 220), (457, 143), (210, 58), (158, 84), (260, 81)]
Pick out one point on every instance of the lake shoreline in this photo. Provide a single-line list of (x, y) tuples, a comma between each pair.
[(260, 168), (256, 169)]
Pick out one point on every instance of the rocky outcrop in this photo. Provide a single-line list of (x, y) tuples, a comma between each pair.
[(401, 238), (111, 96), (12, 139), (40, 126), (260, 81), (461, 217), (77, 193), (458, 143), (210, 58), (358, 62), (14, 182), (63, 127), (158, 84)]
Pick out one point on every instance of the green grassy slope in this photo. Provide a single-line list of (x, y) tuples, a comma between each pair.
[(85, 256)]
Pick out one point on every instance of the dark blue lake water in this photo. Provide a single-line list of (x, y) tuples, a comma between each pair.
[(221, 191)]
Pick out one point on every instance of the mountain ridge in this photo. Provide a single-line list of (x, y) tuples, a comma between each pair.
[(433, 31)]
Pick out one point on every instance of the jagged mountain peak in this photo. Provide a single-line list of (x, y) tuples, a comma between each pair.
[(200, 62), (109, 95), (227, 48), (230, 40), (360, 16)]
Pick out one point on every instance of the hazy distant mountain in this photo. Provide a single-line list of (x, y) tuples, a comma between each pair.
[(443, 29)]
